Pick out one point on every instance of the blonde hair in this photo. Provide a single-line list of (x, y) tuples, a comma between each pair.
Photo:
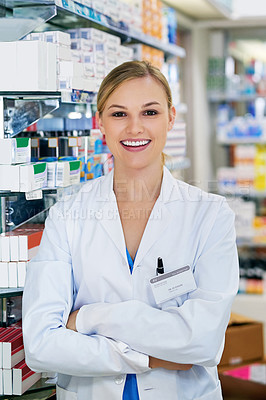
[(125, 72)]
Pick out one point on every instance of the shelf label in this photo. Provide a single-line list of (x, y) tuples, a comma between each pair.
[(34, 195)]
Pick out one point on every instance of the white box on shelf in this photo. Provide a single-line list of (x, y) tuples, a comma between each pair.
[(62, 174), (112, 39), (9, 177), (89, 69), (23, 378), (62, 38), (8, 63), (51, 173), (91, 33), (1, 383), (76, 55), (125, 52), (99, 71), (31, 66), (21, 273), (15, 151), (33, 176), (89, 84), (12, 275), (74, 171), (65, 68), (37, 36), (68, 173), (3, 275), (63, 53), (5, 248), (7, 381), (14, 249), (88, 57), (82, 44), (51, 67)]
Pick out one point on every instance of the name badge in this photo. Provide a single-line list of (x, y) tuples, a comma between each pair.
[(172, 284)]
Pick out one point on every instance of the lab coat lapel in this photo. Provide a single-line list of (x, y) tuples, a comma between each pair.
[(159, 219), (109, 215)]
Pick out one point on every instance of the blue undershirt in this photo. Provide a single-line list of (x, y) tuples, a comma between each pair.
[(131, 388)]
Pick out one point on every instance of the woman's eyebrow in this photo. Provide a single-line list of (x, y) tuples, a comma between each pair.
[(117, 106), (151, 103)]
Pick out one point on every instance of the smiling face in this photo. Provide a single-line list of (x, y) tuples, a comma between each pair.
[(135, 122)]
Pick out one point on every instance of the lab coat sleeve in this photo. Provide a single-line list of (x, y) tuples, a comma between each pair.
[(192, 333), (47, 302)]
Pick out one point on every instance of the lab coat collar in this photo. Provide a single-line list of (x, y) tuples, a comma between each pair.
[(157, 223)]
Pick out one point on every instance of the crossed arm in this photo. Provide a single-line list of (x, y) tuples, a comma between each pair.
[(153, 362)]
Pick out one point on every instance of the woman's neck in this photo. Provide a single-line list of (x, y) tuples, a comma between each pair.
[(141, 185)]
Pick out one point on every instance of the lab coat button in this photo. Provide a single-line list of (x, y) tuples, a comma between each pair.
[(119, 379)]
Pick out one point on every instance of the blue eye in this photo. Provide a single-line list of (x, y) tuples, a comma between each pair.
[(150, 112), (118, 114)]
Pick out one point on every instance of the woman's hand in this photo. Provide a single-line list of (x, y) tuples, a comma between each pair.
[(157, 363), (71, 323)]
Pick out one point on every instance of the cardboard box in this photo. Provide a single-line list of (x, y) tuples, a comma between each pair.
[(243, 341), (15, 150), (33, 176), (31, 71)]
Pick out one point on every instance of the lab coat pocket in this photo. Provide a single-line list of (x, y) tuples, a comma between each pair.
[(213, 395), (63, 394)]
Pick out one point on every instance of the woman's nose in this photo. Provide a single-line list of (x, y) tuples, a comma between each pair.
[(134, 126)]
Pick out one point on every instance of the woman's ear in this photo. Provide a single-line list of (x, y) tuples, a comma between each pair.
[(172, 115), (99, 122)]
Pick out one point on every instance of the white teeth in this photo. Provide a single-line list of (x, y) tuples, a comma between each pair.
[(134, 144)]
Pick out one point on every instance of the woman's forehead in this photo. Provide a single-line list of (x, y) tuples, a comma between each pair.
[(145, 87)]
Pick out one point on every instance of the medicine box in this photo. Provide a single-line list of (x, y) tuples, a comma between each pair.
[(15, 150), (8, 66), (68, 173), (31, 71), (33, 176), (61, 38), (9, 177)]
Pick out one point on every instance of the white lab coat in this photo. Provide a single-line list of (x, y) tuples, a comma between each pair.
[(82, 264)]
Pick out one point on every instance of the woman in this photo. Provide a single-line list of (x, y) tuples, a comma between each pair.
[(94, 310)]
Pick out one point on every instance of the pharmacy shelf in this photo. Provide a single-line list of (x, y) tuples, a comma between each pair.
[(245, 192), (250, 244), (246, 140), (70, 14), (219, 97), (101, 21), (10, 292)]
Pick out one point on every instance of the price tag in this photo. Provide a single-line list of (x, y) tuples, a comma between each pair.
[(34, 195)]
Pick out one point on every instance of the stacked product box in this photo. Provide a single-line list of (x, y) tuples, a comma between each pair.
[(16, 249), (175, 146), (98, 51), (15, 376), (249, 171), (28, 66), (83, 56), (152, 18), (17, 174), (61, 156), (148, 53)]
